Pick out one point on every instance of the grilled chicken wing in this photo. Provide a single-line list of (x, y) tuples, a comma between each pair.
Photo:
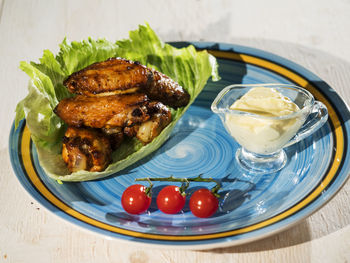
[(113, 76), (120, 76), (86, 149), (105, 111), (115, 98)]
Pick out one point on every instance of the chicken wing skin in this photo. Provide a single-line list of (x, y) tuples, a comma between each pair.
[(166, 90), (86, 149), (104, 112), (120, 76), (113, 76)]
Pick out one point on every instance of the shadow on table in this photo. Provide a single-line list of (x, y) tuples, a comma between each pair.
[(296, 235)]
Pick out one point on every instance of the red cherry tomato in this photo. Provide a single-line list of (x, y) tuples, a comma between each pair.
[(135, 200), (170, 200), (203, 203)]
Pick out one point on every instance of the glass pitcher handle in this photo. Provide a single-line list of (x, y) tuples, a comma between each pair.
[(318, 116)]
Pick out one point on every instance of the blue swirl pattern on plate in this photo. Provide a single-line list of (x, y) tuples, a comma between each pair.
[(251, 207)]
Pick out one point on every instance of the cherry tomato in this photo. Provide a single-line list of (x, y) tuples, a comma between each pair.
[(203, 203), (135, 200), (170, 200)]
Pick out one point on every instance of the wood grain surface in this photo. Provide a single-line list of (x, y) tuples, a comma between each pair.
[(312, 34)]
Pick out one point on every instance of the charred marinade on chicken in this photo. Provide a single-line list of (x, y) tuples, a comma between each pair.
[(86, 149)]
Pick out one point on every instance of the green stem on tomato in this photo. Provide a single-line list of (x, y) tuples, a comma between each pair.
[(185, 182), (148, 190), (184, 186)]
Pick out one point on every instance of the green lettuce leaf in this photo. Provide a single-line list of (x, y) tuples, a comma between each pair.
[(190, 68)]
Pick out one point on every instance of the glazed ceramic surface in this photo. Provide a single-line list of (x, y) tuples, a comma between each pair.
[(251, 207)]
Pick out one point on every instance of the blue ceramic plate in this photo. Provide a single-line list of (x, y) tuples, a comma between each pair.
[(251, 207)]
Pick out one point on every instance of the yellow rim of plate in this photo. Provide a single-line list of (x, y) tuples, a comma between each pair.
[(339, 140)]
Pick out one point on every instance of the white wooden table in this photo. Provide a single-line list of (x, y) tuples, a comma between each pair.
[(314, 34)]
